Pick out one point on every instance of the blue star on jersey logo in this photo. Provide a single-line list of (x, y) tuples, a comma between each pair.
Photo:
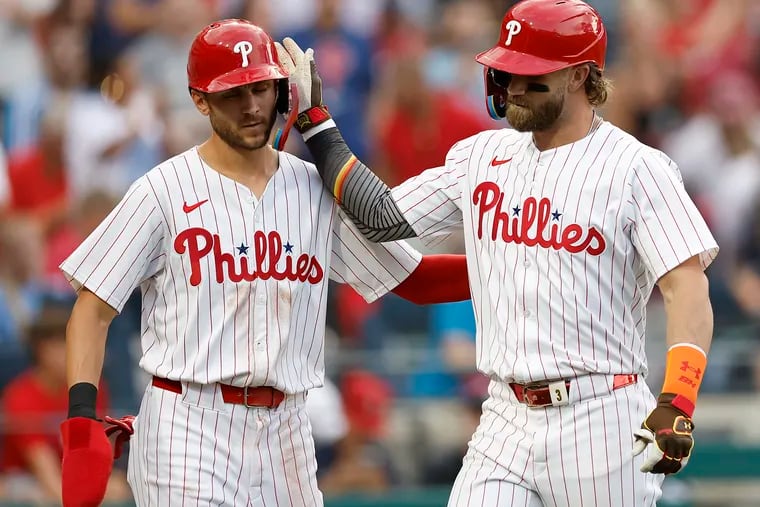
[(516, 211), (288, 247), (242, 249), (556, 215)]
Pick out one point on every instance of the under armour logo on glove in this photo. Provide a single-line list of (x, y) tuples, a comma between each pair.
[(666, 435), (123, 429)]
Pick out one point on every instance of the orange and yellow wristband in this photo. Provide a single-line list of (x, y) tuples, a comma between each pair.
[(684, 370)]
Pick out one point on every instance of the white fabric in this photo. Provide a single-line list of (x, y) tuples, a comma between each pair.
[(234, 288), (614, 217)]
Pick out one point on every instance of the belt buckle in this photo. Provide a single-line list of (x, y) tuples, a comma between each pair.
[(531, 399), (245, 398)]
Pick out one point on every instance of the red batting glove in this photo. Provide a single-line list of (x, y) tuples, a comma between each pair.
[(123, 428), (87, 462)]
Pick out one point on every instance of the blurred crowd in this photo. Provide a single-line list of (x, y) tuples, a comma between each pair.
[(93, 94)]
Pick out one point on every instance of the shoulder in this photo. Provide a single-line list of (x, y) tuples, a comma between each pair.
[(639, 156), (483, 140)]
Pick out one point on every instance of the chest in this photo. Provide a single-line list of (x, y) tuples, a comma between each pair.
[(230, 235), (561, 204)]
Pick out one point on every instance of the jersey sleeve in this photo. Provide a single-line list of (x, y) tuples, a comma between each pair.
[(126, 249), (432, 201), (372, 269), (668, 229)]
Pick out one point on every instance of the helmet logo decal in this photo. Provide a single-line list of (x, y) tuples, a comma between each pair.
[(512, 27), (245, 48)]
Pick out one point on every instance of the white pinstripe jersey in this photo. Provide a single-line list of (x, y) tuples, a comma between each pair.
[(564, 246), (233, 289)]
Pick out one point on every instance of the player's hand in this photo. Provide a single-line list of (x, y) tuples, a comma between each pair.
[(87, 462), (123, 429), (666, 437), (303, 73)]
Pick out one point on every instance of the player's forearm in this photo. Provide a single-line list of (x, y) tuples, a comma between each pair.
[(689, 333), (86, 339), (364, 197), (688, 309)]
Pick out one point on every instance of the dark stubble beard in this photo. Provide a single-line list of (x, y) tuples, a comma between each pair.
[(543, 117), (232, 137)]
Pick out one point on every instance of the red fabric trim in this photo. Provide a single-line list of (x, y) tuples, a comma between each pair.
[(437, 279), (683, 404)]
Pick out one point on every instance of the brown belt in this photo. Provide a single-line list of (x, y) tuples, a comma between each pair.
[(250, 396), (539, 395)]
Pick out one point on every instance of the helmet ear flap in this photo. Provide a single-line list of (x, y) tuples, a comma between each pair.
[(496, 92), (283, 96)]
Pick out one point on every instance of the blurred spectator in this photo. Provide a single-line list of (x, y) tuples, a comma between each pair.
[(18, 20), (746, 276), (4, 184), (328, 423), (21, 292), (33, 405), (442, 465), (451, 360), (416, 125), (462, 32), (113, 133), (160, 57), (37, 175), (64, 58), (718, 153), (345, 58), (362, 462)]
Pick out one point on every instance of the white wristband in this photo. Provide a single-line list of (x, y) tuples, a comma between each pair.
[(319, 128)]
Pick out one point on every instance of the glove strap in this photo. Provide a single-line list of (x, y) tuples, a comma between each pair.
[(685, 369), (311, 118)]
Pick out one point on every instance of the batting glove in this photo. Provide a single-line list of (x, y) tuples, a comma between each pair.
[(123, 429), (87, 462), (302, 72), (666, 437)]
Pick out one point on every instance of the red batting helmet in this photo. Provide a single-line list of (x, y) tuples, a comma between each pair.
[(542, 36), (235, 52), (538, 37)]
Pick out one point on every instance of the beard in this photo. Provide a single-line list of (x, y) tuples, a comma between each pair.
[(231, 135), (525, 118)]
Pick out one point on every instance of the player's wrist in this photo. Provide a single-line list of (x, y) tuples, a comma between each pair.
[(685, 367), (82, 398), (311, 118)]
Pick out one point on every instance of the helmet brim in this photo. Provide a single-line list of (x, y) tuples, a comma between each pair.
[(506, 60), (244, 76)]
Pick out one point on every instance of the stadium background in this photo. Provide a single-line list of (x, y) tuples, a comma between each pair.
[(93, 93)]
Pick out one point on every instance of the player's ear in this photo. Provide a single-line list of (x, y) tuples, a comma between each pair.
[(577, 77), (200, 100)]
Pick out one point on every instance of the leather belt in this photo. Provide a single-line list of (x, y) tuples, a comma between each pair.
[(540, 394), (250, 396)]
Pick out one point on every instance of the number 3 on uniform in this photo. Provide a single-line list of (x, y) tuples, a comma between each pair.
[(558, 393)]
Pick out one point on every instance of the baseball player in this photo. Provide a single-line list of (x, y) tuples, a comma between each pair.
[(232, 244), (569, 224)]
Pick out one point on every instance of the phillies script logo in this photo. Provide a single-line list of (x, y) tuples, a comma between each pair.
[(489, 199), (198, 243)]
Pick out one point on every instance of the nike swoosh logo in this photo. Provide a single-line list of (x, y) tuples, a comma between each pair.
[(496, 161), (187, 208)]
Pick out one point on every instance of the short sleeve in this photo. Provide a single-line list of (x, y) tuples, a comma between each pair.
[(432, 201), (372, 269), (668, 229), (123, 251)]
